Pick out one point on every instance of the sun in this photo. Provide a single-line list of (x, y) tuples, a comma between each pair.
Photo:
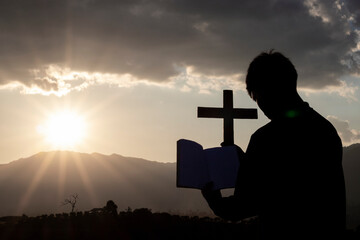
[(63, 130)]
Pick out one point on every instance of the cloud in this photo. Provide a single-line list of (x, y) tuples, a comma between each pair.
[(190, 80), (146, 39), (354, 6), (55, 80), (347, 134), (344, 89)]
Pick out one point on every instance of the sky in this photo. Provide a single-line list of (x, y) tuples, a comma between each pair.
[(127, 76)]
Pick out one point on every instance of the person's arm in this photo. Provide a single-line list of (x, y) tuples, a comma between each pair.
[(242, 204), (229, 208)]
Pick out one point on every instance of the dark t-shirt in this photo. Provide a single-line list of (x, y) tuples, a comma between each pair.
[(292, 178)]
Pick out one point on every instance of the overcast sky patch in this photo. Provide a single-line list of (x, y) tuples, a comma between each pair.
[(145, 39)]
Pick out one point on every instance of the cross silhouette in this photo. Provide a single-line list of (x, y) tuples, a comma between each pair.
[(228, 113)]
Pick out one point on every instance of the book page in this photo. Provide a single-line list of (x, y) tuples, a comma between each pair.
[(192, 169), (223, 166)]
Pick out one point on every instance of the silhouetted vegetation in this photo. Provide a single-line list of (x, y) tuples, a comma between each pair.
[(128, 224), (72, 200)]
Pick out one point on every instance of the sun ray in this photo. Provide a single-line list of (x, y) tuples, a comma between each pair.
[(109, 168), (85, 180), (24, 200), (62, 174)]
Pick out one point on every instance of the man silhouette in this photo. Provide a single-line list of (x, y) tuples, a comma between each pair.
[(291, 175)]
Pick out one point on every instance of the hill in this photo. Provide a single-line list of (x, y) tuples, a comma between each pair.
[(351, 165), (38, 184)]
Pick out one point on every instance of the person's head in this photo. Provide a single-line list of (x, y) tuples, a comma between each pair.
[(271, 81)]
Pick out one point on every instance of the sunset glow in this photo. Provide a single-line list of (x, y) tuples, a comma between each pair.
[(63, 130), (95, 96)]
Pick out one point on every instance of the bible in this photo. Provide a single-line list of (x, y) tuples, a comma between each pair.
[(197, 166)]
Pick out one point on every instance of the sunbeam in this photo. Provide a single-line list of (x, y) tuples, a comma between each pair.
[(24, 201), (86, 180)]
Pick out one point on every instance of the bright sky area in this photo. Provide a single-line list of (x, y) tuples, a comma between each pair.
[(129, 79)]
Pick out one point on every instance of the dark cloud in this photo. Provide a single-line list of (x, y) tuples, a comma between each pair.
[(148, 38), (354, 8)]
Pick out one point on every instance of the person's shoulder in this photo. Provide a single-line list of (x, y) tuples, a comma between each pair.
[(323, 126), (321, 120), (264, 130)]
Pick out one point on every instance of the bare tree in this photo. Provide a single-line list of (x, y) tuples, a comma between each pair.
[(71, 200)]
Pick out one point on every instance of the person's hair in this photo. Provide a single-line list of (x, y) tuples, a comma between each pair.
[(270, 71)]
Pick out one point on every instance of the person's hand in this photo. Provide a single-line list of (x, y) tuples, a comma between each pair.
[(223, 144), (239, 151), (209, 193)]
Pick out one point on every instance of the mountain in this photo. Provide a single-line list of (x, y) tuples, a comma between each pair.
[(351, 165), (40, 183)]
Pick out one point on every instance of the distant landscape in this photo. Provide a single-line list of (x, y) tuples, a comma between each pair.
[(39, 184)]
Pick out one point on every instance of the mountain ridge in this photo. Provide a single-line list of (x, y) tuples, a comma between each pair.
[(39, 154), (38, 184)]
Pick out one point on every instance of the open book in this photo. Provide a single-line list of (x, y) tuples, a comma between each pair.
[(197, 166)]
